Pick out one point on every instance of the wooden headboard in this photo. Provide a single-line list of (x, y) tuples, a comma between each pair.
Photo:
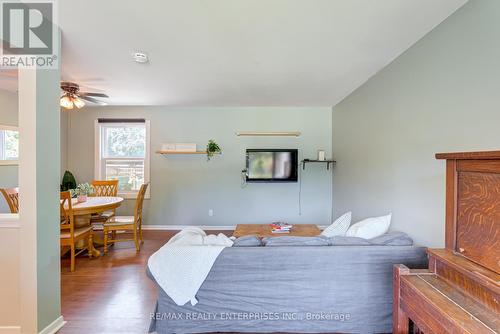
[(473, 206)]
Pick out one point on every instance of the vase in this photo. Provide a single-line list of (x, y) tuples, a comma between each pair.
[(82, 198)]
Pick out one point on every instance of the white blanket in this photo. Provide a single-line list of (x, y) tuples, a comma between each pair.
[(181, 266)]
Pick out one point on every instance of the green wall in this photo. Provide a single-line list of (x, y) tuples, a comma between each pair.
[(48, 157), (439, 96), (185, 187)]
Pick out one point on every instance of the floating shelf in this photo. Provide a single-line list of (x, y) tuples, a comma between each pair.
[(328, 163), (268, 133), (182, 152)]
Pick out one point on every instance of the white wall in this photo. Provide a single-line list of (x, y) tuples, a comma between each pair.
[(441, 95), (185, 187), (10, 315)]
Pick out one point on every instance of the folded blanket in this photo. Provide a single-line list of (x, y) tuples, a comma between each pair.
[(181, 266)]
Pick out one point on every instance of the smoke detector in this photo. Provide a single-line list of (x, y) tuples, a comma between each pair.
[(140, 57)]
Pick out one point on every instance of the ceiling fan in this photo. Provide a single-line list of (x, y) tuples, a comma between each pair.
[(72, 97)]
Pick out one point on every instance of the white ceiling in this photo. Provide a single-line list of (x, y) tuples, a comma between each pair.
[(238, 52)]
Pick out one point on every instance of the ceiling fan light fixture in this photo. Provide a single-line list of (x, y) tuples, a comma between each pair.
[(66, 102), (79, 103)]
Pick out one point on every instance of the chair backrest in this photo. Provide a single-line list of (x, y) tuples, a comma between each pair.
[(139, 202), (107, 188), (67, 217), (12, 197)]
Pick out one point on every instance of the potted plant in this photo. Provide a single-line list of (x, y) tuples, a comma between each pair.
[(68, 181), (82, 191), (212, 148)]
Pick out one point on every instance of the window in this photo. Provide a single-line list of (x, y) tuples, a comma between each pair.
[(122, 153), (9, 145)]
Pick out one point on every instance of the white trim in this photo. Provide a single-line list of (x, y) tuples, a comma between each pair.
[(6, 162), (9, 162), (97, 150), (9, 128), (27, 97), (9, 220), (54, 326), (203, 227), (147, 157), (10, 329), (147, 161), (180, 227)]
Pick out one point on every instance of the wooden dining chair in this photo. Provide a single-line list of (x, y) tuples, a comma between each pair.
[(71, 235), (12, 198), (127, 223), (104, 188)]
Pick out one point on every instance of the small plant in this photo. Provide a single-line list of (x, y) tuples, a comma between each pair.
[(212, 148), (83, 189)]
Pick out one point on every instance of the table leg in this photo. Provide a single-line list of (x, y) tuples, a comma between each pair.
[(82, 221), (94, 251)]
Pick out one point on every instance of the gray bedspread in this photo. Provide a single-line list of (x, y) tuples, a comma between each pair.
[(341, 289)]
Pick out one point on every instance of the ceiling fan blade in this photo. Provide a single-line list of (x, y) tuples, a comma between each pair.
[(92, 100), (93, 94)]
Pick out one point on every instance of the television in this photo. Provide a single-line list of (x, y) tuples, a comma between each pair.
[(271, 165)]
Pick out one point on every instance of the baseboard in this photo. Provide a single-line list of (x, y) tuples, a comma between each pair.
[(180, 227), (54, 326), (10, 329), (203, 227)]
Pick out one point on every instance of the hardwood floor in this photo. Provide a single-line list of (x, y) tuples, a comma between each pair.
[(111, 294)]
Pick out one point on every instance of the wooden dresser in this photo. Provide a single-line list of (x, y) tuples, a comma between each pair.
[(460, 292)]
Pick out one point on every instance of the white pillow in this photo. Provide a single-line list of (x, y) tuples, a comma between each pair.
[(370, 228), (339, 226)]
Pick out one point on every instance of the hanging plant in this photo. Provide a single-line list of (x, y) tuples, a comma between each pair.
[(212, 148)]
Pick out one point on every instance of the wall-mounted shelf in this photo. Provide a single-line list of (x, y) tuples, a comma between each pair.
[(327, 162), (182, 152), (268, 133)]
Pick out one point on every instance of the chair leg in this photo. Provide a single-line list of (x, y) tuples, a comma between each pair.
[(140, 232), (136, 241), (105, 232), (90, 245), (72, 268)]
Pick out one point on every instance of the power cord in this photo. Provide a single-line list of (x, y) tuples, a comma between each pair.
[(243, 179), (301, 167)]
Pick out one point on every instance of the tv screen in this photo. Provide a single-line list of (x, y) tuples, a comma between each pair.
[(272, 165)]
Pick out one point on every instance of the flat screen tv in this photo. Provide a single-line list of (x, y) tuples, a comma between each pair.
[(272, 165)]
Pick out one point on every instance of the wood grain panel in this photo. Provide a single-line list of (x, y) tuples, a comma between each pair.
[(478, 218), (483, 166)]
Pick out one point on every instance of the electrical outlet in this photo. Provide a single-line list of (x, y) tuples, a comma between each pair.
[(210, 212)]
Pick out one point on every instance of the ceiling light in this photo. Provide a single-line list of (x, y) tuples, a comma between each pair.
[(79, 103), (140, 57), (66, 102)]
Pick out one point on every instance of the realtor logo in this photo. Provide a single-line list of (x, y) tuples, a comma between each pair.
[(28, 31)]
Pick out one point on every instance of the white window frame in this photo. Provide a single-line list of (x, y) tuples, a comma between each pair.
[(3, 162), (98, 147)]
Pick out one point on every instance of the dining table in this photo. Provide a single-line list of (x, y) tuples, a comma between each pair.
[(82, 211)]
